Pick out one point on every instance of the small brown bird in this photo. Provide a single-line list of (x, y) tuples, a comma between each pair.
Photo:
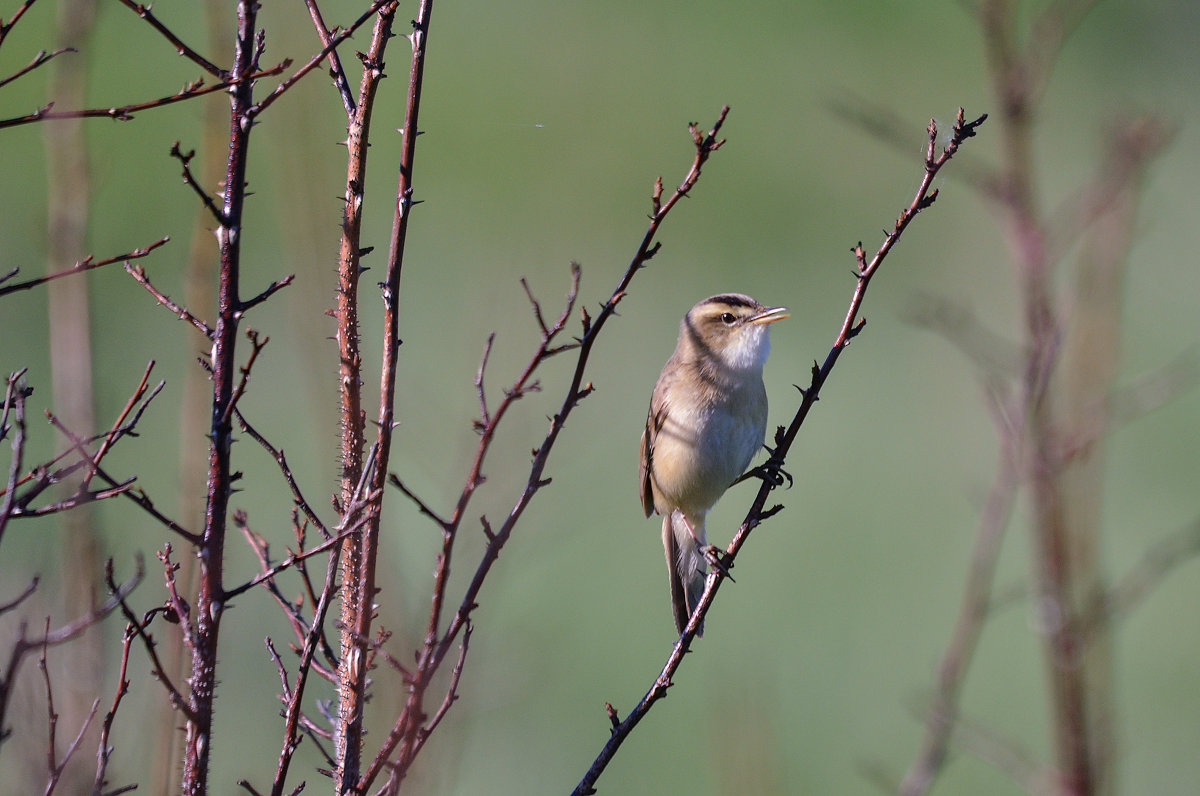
[(708, 417)]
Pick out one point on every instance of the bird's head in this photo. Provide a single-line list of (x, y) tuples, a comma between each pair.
[(731, 329)]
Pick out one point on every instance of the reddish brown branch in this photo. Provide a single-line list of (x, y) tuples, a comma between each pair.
[(86, 264), (104, 749), (210, 603), (137, 627), (145, 13), (281, 460), (125, 113), (185, 162), (336, 71), (408, 733), (139, 275), (40, 59), (382, 7), (359, 553)]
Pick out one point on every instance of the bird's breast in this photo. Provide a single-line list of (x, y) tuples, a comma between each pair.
[(701, 448)]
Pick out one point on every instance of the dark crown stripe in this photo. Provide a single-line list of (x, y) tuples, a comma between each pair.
[(732, 300)]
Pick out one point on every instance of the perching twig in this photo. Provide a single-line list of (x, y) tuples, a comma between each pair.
[(851, 326)]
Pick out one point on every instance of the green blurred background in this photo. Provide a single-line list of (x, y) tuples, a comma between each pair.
[(546, 124)]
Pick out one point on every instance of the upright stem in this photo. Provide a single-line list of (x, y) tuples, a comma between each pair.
[(68, 195), (1016, 85), (210, 595), (360, 552)]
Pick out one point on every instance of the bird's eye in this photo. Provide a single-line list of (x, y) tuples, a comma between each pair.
[(727, 318)]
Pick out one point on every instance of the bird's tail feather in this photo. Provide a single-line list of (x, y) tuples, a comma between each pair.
[(685, 567)]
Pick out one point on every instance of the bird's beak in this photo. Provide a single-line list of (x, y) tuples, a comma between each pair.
[(769, 316)]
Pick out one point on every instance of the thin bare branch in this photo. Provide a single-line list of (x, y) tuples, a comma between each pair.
[(41, 59), (189, 179), (137, 627), (145, 13), (281, 460), (139, 275), (340, 81), (104, 749), (384, 7), (124, 113), (405, 737), (86, 264), (267, 292)]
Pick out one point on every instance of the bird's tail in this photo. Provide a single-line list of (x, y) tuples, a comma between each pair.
[(685, 567)]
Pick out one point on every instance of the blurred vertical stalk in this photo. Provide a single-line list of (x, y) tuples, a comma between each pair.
[(1086, 378), (68, 192), (1055, 572), (1071, 351)]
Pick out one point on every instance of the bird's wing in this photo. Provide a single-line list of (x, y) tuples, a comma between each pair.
[(654, 422)]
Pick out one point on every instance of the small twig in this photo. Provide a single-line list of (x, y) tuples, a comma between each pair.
[(119, 427), (86, 264), (269, 291), (377, 7), (180, 610), (1144, 576), (6, 27), (340, 81), (256, 347), (136, 627), (422, 506), (125, 487), (145, 13), (24, 645), (451, 695), (281, 460), (185, 161), (1008, 756), (125, 113), (485, 419), (291, 561), (20, 598), (293, 717), (537, 309), (103, 749), (139, 275), (40, 59), (15, 393)]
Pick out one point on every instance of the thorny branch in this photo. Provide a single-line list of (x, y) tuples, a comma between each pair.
[(411, 728), (851, 326)]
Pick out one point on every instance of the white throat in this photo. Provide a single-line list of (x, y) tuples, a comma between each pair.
[(749, 350)]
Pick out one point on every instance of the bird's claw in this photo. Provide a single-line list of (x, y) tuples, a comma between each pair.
[(773, 473), (719, 560)]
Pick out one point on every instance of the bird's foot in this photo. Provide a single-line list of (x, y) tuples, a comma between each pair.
[(772, 472), (719, 560)]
